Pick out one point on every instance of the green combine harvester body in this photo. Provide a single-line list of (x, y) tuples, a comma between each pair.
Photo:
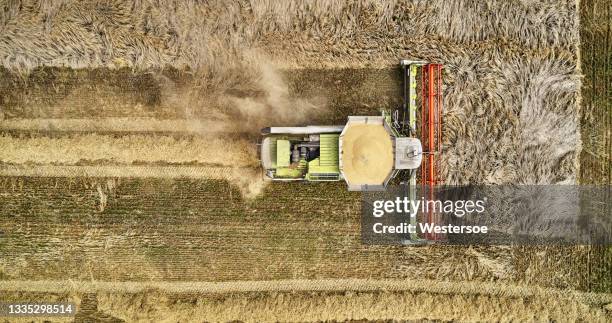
[(368, 151)]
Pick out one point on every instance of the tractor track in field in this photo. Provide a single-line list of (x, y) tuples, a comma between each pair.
[(122, 171), (342, 92), (116, 126)]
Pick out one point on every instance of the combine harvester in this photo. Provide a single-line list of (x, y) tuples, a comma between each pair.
[(369, 151)]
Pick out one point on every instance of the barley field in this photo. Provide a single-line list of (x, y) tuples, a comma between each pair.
[(129, 179)]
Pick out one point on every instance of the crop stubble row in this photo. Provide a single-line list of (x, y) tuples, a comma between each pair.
[(203, 230)]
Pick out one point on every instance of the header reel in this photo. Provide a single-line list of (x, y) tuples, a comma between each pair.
[(426, 94)]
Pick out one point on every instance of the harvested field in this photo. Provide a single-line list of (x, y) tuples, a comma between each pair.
[(183, 231), (127, 150), (328, 300), (596, 114), (127, 147)]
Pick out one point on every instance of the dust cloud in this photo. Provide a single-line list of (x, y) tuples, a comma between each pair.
[(274, 107), (241, 100)]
